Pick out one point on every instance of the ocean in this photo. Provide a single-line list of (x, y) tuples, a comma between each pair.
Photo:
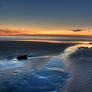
[(54, 64)]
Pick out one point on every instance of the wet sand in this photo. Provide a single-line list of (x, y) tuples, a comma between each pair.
[(9, 49)]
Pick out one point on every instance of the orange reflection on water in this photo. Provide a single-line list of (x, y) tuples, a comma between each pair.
[(53, 41)]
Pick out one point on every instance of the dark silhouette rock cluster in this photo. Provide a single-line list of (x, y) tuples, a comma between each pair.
[(24, 57)]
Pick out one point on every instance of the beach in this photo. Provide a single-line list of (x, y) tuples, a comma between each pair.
[(41, 72), (49, 67)]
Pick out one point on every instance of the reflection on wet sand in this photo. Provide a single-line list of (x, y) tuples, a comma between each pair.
[(21, 67), (56, 41), (37, 74)]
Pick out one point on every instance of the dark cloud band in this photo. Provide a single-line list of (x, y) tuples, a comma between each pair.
[(77, 30)]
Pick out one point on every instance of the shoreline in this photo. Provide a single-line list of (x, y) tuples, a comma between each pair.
[(10, 49)]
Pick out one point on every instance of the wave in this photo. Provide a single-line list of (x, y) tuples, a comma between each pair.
[(78, 60)]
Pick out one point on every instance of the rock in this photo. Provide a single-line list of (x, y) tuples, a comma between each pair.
[(22, 57)]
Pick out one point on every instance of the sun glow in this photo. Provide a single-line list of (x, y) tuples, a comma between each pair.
[(6, 30)]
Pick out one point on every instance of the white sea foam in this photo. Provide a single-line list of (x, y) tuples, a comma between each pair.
[(79, 64)]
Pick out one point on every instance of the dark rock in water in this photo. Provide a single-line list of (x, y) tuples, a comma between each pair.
[(22, 57)]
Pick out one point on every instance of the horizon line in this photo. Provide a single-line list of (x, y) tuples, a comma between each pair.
[(46, 35)]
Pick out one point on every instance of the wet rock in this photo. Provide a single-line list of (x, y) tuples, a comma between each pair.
[(22, 57)]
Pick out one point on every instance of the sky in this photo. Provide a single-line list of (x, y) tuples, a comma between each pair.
[(46, 17)]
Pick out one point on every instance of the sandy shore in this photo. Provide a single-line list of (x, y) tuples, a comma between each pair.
[(10, 49)]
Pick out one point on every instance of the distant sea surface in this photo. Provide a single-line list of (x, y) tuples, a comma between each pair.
[(52, 39)]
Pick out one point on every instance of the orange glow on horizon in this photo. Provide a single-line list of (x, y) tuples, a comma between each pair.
[(40, 31)]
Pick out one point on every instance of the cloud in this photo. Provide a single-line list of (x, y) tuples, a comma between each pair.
[(7, 31), (77, 30), (20, 32)]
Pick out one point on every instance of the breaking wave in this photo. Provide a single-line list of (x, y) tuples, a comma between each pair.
[(78, 61)]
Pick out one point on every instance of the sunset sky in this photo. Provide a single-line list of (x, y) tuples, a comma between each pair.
[(46, 17)]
